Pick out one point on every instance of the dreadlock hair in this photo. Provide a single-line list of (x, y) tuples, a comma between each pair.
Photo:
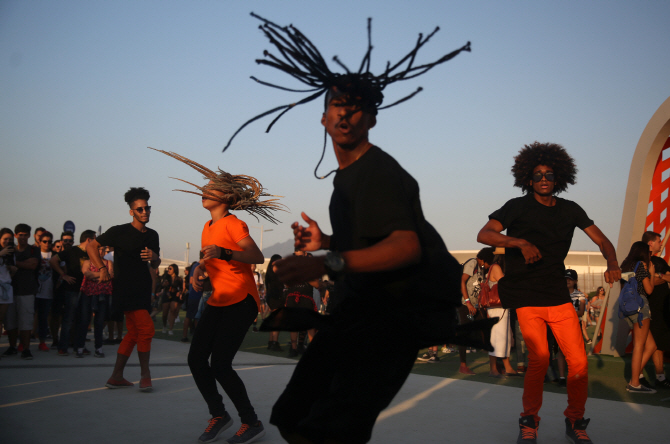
[(239, 192), (549, 154), (299, 58)]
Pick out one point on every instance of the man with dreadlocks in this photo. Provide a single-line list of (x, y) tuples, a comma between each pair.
[(383, 256), (227, 251), (539, 228)]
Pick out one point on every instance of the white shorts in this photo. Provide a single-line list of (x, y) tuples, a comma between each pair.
[(501, 333)]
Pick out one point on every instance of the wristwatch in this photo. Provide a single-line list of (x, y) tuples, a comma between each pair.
[(334, 264)]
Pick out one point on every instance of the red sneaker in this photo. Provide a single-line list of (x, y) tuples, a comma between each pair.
[(43, 347), (145, 385), (19, 348), (114, 384)]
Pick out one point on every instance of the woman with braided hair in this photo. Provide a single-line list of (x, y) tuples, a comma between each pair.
[(227, 251)]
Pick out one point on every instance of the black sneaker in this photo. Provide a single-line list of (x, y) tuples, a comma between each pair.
[(664, 384), (99, 354), (10, 351), (216, 426), (184, 339), (527, 430), (25, 354), (292, 352), (248, 433), (576, 432), (640, 389), (562, 382), (274, 346), (425, 357)]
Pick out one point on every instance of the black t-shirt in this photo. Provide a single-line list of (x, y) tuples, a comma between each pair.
[(25, 281), (131, 288), (550, 229), (304, 289), (74, 258), (373, 197)]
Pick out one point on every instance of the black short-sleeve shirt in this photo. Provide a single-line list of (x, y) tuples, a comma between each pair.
[(24, 281), (74, 258), (131, 286), (550, 229), (373, 197)]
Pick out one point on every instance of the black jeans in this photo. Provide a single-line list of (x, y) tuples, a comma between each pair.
[(219, 334)]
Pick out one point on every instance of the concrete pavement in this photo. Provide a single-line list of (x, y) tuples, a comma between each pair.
[(54, 399)]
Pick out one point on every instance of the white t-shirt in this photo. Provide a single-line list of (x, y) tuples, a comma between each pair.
[(577, 297), (45, 278)]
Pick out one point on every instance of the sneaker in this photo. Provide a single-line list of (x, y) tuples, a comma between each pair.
[(19, 348), (425, 357), (10, 351), (216, 426), (184, 339), (25, 354), (164, 330), (562, 382), (145, 385), (665, 384), (43, 347), (63, 353), (99, 354), (255, 329), (640, 389), (274, 346), (170, 333), (78, 354), (114, 384), (575, 431), (589, 342), (528, 430), (248, 433), (433, 359), (177, 320)]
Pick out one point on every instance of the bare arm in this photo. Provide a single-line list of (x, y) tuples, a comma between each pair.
[(28, 264), (582, 305), (250, 253), (399, 249), (492, 235), (88, 274), (646, 282), (464, 293), (55, 265), (496, 273), (613, 272)]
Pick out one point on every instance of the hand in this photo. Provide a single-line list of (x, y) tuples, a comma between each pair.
[(69, 279), (104, 275), (471, 308), (149, 255), (308, 238), (199, 276), (7, 251), (211, 252), (613, 273), (296, 269), (530, 252)]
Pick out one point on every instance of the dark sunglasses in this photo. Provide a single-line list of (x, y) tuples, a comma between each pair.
[(69, 241), (549, 175), (46, 241), (143, 209)]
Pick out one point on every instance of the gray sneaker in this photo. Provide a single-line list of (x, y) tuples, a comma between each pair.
[(248, 433), (640, 389), (216, 426)]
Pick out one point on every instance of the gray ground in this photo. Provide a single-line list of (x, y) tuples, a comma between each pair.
[(54, 399)]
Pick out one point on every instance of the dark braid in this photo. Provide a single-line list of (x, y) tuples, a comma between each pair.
[(302, 60)]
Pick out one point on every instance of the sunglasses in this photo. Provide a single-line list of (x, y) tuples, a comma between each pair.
[(46, 241), (69, 241), (143, 209), (549, 175)]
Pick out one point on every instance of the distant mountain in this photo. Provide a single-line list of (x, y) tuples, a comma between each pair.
[(282, 248)]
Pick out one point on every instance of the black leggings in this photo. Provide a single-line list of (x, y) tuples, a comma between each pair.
[(219, 334)]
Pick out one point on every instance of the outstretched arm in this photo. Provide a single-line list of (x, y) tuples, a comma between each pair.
[(492, 235), (399, 249), (613, 272)]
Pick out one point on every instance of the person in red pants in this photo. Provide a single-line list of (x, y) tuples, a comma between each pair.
[(539, 228)]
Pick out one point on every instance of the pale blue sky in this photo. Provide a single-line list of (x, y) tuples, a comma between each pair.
[(86, 86)]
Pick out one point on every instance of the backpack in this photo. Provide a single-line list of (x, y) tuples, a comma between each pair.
[(630, 301)]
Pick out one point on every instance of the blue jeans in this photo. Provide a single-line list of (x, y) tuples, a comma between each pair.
[(100, 306), (69, 318)]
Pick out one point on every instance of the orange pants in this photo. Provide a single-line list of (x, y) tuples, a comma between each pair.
[(566, 328), (140, 331)]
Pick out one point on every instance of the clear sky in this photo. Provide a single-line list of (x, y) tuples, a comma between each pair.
[(86, 86)]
